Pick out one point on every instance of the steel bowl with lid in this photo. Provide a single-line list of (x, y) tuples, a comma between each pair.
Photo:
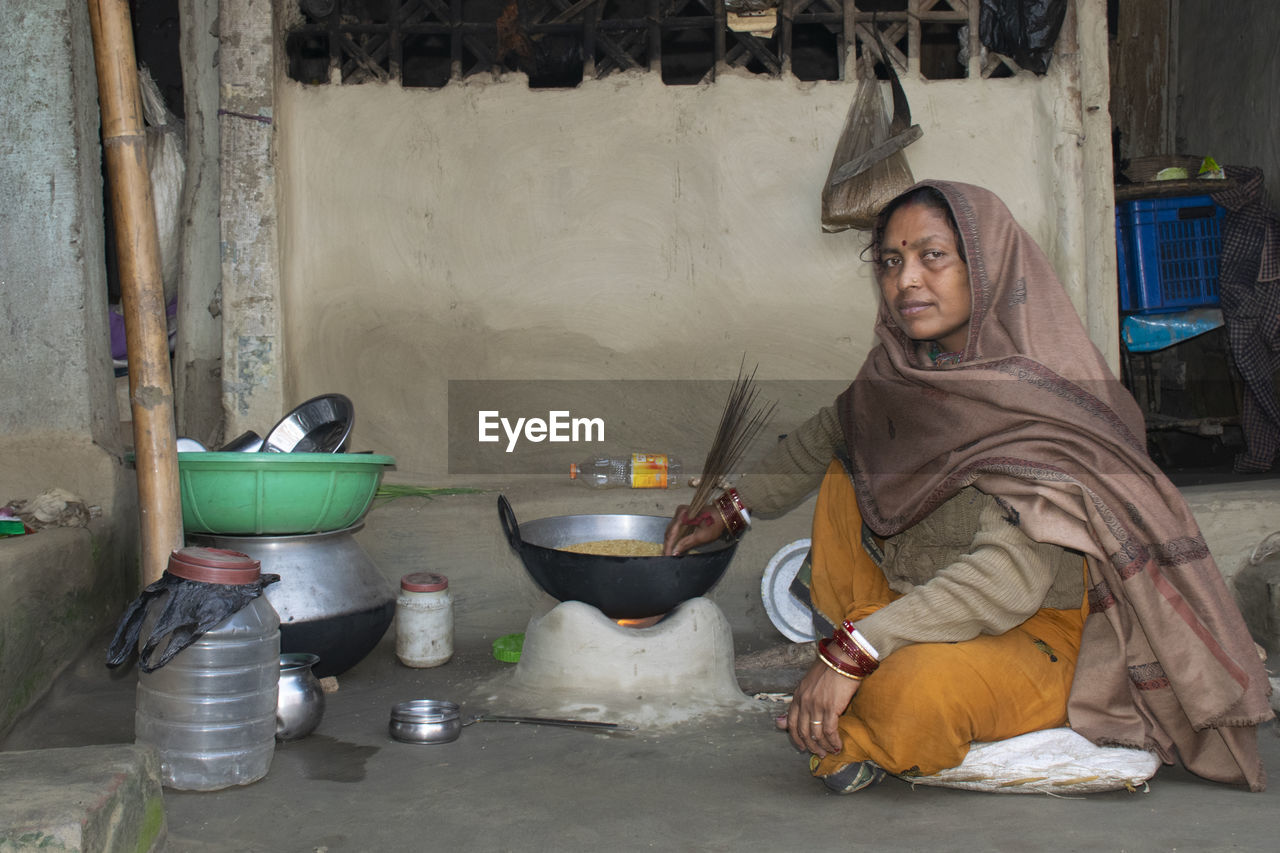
[(425, 721)]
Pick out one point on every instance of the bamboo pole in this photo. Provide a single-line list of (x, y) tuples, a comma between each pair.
[(141, 284)]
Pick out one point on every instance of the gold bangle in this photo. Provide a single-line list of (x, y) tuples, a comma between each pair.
[(723, 520)]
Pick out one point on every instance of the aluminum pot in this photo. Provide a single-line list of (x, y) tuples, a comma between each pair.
[(300, 705), (620, 587), (333, 600)]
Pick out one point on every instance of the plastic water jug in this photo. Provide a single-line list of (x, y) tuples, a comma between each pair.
[(211, 710)]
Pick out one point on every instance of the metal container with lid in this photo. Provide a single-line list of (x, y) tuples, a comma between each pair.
[(425, 721), (424, 620), (211, 711)]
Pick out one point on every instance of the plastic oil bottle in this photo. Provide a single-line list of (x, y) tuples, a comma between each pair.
[(635, 471)]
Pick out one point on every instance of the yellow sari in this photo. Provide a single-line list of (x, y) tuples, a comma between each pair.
[(918, 713)]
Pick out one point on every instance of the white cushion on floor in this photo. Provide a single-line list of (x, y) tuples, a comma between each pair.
[(1054, 761)]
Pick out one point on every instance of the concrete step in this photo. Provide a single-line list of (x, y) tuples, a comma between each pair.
[(90, 799)]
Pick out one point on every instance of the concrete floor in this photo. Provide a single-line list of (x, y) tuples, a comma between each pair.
[(722, 782)]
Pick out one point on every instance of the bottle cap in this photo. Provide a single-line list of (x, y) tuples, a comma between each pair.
[(214, 565), (424, 582), (508, 649)]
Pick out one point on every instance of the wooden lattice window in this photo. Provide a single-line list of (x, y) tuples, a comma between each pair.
[(560, 43)]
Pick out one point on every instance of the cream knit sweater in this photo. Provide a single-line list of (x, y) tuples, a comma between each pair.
[(964, 570)]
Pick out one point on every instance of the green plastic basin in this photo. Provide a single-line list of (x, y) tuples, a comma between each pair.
[(247, 494)]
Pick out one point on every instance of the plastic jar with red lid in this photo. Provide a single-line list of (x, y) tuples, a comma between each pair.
[(424, 620)]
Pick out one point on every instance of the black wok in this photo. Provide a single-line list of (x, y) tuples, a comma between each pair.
[(620, 587)]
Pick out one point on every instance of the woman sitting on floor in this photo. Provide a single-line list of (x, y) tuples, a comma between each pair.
[(994, 552)]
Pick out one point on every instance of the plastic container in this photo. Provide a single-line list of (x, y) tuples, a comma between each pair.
[(636, 471), (508, 648), (1151, 332), (1167, 253), (424, 620), (211, 711), (251, 494)]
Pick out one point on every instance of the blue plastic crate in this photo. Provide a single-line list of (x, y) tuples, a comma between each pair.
[(1167, 252)]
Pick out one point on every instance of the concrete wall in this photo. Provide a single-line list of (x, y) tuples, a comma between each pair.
[(56, 370), (198, 351), (1228, 73), (622, 229), (252, 379), (58, 417)]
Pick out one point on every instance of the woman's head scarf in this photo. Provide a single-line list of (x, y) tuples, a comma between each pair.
[(1033, 416)]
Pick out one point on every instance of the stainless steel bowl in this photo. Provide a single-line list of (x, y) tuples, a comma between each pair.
[(425, 721), (320, 425)]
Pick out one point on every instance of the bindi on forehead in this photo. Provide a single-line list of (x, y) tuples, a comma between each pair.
[(904, 242)]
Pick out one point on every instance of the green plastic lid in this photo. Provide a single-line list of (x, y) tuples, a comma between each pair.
[(507, 649)]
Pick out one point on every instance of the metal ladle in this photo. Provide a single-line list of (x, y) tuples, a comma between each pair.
[(548, 721)]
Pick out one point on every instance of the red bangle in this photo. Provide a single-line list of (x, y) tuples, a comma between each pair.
[(856, 650), (736, 498), (862, 661), (834, 663), (730, 512), (863, 644)]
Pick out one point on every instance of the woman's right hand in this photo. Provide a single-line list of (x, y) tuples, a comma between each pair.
[(813, 719), (684, 533)]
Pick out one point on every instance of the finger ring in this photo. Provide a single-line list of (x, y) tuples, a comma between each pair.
[(817, 722)]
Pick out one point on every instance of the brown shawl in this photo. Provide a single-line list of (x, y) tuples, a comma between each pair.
[(1033, 416)]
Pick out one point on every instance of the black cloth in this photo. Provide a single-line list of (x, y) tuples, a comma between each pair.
[(1025, 30), (186, 610), (1249, 290)]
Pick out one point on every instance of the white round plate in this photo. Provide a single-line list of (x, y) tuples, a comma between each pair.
[(787, 613)]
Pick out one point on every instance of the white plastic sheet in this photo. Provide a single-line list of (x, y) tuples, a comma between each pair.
[(1053, 761), (166, 161)]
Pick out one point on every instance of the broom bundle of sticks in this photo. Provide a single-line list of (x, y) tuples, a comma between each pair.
[(743, 417)]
